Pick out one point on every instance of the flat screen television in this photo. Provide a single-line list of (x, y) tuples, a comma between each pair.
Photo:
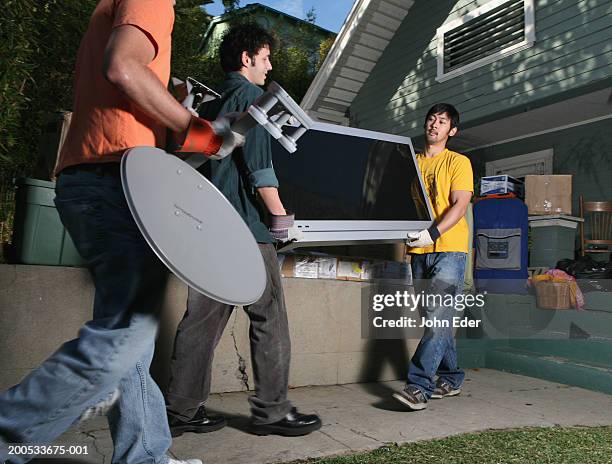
[(352, 186)]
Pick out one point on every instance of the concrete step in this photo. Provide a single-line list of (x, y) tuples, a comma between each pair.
[(471, 353), (590, 351), (593, 376)]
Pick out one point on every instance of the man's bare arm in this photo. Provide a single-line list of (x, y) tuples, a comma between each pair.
[(460, 199), (126, 57), (271, 199)]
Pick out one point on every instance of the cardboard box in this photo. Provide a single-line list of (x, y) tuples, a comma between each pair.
[(549, 194), (306, 267), (501, 184), (51, 142), (353, 269), (340, 268)]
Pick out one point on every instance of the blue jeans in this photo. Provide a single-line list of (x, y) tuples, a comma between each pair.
[(436, 353), (114, 350)]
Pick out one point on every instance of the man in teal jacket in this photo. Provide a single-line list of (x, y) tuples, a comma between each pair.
[(248, 181)]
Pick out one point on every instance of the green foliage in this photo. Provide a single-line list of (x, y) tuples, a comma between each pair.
[(17, 62), (291, 68), (324, 48), (39, 42), (188, 32), (298, 57)]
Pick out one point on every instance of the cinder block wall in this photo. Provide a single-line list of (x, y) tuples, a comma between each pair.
[(43, 306)]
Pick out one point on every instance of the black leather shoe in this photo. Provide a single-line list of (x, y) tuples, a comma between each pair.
[(293, 424), (201, 423)]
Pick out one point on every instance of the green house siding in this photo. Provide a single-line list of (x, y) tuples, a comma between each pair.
[(572, 50), (584, 151)]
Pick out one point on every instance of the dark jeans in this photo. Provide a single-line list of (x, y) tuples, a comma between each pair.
[(113, 350), (199, 333), (437, 352)]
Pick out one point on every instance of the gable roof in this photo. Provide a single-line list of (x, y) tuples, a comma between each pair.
[(366, 32)]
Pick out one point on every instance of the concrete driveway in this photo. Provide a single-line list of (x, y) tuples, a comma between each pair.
[(359, 417)]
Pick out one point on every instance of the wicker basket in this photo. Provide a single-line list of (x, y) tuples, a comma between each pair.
[(553, 295)]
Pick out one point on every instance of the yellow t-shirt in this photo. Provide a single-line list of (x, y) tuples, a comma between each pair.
[(446, 172)]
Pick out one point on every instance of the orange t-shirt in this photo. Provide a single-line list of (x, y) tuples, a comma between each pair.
[(104, 122)]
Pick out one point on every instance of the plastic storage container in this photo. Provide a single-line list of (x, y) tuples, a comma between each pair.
[(39, 236)]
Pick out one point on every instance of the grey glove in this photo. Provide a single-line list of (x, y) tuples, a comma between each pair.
[(283, 228)]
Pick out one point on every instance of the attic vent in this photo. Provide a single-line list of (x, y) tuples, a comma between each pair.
[(484, 35)]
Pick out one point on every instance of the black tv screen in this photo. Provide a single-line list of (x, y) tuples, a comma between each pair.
[(340, 173)]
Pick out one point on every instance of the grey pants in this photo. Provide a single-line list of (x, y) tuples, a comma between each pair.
[(199, 333)]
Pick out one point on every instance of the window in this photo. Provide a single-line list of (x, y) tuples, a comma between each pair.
[(494, 30), (539, 162)]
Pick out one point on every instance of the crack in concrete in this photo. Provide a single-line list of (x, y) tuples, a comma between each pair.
[(242, 376), (85, 430), (95, 445), (364, 435), (335, 439)]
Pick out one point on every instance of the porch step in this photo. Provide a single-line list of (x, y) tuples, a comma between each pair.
[(593, 376), (471, 353), (589, 351)]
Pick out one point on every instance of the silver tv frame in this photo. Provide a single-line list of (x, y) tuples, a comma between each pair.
[(350, 232)]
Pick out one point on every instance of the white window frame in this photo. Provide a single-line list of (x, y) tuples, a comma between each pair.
[(529, 10), (511, 165)]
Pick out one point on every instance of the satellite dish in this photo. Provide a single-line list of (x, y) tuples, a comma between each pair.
[(194, 230)]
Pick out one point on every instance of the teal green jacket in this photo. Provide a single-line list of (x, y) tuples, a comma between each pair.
[(238, 175)]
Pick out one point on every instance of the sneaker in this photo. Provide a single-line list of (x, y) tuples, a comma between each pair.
[(201, 423), (100, 409), (188, 461), (443, 389), (412, 397)]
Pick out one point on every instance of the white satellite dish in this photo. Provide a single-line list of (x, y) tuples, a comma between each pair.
[(192, 227)]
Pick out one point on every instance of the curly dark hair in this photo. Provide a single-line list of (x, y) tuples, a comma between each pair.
[(249, 37)]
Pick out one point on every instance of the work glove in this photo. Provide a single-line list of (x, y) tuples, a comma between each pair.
[(424, 238), (283, 228), (214, 139), (231, 139)]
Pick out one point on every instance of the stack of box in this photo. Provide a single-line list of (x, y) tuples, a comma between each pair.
[(549, 204), (341, 268), (553, 229)]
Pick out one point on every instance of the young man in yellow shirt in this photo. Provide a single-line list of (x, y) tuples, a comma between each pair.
[(439, 256)]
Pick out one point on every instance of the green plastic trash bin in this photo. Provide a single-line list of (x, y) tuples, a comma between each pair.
[(552, 239), (39, 236)]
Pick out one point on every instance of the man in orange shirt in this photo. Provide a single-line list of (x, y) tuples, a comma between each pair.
[(121, 101)]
